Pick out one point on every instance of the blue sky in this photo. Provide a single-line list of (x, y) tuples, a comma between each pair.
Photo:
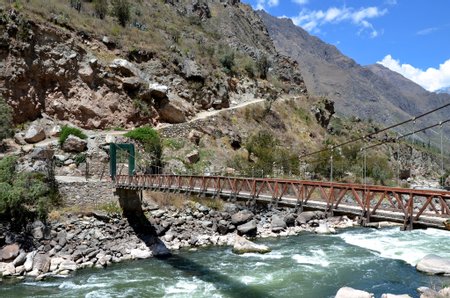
[(411, 37)]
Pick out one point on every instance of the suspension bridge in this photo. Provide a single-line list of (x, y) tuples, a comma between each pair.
[(414, 208), (411, 207)]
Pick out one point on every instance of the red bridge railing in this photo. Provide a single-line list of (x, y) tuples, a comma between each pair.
[(412, 205)]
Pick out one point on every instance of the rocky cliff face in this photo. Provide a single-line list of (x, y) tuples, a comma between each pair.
[(94, 82)]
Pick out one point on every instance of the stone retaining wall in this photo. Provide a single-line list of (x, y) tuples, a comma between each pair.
[(91, 193)]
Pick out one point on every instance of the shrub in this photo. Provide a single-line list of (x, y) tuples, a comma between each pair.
[(152, 143), (121, 10), (263, 65), (5, 120), (101, 8), (66, 131), (264, 155), (23, 196), (227, 61)]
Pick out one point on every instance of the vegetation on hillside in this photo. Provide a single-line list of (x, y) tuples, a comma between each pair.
[(5, 120), (153, 147), (66, 131), (24, 196)]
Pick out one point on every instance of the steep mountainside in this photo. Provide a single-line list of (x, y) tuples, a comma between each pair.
[(370, 92), (444, 90), (171, 60)]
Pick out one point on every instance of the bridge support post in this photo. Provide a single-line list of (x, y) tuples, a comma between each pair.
[(129, 200)]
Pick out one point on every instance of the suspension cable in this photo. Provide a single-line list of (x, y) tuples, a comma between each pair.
[(377, 132), (406, 135)]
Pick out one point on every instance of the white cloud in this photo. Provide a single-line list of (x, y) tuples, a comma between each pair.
[(427, 31), (431, 79), (300, 2), (311, 20), (261, 4)]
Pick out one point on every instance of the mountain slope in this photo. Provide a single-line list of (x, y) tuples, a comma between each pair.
[(171, 60), (371, 92)]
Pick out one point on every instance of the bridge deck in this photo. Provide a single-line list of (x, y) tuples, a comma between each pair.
[(408, 206)]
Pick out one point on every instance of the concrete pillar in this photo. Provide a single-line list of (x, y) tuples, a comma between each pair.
[(129, 201)]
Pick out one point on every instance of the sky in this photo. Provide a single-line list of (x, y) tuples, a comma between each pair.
[(411, 37)]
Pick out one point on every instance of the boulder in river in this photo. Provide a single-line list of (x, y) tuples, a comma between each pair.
[(306, 216), (242, 245), (434, 265), (347, 292), (248, 228), (323, 228), (395, 296)]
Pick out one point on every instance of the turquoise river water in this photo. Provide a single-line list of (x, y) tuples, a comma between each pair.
[(378, 261)]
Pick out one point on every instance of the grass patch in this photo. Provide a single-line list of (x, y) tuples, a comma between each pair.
[(166, 199), (174, 143), (215, 204), (66, 131)]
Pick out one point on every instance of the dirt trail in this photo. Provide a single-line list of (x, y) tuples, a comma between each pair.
[(200, 116)]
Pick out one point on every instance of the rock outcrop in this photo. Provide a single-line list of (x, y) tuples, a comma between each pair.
[(347, 292), (242, 245), (434, 265)]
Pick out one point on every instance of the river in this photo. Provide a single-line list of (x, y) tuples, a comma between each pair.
[(377, 261)]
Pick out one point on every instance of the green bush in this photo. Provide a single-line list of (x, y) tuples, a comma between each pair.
[(152, 143), (227, 61), (101, 8), (264, 156), (5, 120), (23, 196), (121, 10), (66, 131)]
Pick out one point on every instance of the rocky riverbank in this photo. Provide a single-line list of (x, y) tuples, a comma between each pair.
[(96, 239)]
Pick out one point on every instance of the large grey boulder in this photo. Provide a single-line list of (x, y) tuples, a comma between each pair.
[(278, 224), (347, 292), (158, 90), (86, 73), (141, 254), (306, 216), (34, 134), (68, 265), (175, 110), (323, 228), (29, 261), (433, 264), (248, 228), (41, 263), (242, 245), (241, 217), (192, 71), (131, 83), (42, 153), (124, 68), (74, 144), (395, 296), (9, 252)]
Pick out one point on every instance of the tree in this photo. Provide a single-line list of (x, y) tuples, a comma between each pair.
[(5, 120), (101, 8), (263, 65), (121, 10), (25, 195), (227, 61)]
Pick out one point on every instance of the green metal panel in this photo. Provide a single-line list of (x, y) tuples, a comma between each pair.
[(113, 158)]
